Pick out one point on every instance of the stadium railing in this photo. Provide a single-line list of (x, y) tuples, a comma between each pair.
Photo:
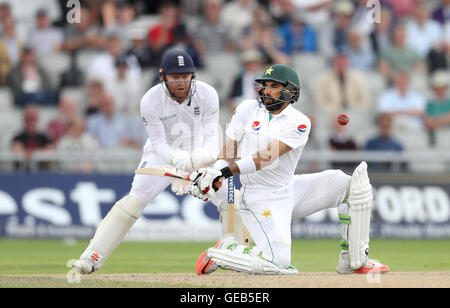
[(126, 160)]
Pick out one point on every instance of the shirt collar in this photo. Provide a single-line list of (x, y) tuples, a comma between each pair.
[(285, 113)]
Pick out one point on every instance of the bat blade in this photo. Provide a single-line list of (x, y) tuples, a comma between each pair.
[(167, 171)]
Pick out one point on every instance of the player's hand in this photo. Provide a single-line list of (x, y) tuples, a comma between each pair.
[(205, 183), (181, 160), (201, 158), (180, 187)]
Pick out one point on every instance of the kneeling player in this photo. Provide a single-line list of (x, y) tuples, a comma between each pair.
[(271, 140)]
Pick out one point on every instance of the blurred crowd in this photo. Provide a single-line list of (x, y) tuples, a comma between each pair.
[(394, 39)]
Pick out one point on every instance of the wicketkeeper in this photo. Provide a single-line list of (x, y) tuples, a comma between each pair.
[(270, 135), (181, 117)]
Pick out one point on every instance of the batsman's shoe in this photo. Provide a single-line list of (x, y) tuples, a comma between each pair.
[(371, 266), (204, 264), (84, 266)]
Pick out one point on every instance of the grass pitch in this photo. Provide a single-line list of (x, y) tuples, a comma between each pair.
[(42, 263)]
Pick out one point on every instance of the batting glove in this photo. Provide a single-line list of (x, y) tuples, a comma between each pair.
[(205, 183)]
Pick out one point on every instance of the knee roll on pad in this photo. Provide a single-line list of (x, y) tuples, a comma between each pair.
[(131, 206)]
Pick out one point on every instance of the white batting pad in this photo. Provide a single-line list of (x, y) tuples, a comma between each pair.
[(359, 209), (112, 230), (246, 263)]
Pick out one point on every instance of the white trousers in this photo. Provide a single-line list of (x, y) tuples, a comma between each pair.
[(267, 212)]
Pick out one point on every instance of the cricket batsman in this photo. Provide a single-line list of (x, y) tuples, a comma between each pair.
[(181, 117), (270, 136)]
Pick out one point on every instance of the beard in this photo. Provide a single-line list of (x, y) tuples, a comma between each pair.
[(272, 104), (179, 90)]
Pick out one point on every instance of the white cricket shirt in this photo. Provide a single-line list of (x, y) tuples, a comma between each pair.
[(254, 128), (187, 126)]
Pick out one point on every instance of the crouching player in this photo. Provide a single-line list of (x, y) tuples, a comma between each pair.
[(181, 117), (271, 135)]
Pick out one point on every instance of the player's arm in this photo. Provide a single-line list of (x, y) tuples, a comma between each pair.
[(229, 151), (210, 121), (205, 179), (261, 159), (155, 131)]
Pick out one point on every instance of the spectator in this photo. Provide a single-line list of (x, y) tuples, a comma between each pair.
[(405, 105), (342, 87), (209, 32), (399, 56), (57, 127), (380, 37), (10, 48), (30, 139), (437, 57), (83, 34), (442, 13), (79, 142), (341, 140), (384, 140), (261, 35), (363, 9), (437, 112), (111, 129), (183, 41), (358, 51), (139, 47), (5, 12), (297, 37), (95, 94), (103, 66), (125, 88), (243, 86), (342, 17), (422, 33), (282, 11), (117, 19), (317, 14), (402, 8), (44, 38), (236, 16), (29, 82), (162, 35), (313, 12)]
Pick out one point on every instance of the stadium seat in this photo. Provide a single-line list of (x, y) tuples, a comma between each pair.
[(77, 94), (26, 10), (147, 21), (220, 69), (147, 78), (309, 65), (321, 128), (443, 139), (419, 83), (361, 126), (6, 99), (84, 59), (411, 139), (55, 64), (10, 121), (46, 114), (376, 84)]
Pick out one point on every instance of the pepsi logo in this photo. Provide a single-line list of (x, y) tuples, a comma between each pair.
[(256, 125), (302, 128)]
